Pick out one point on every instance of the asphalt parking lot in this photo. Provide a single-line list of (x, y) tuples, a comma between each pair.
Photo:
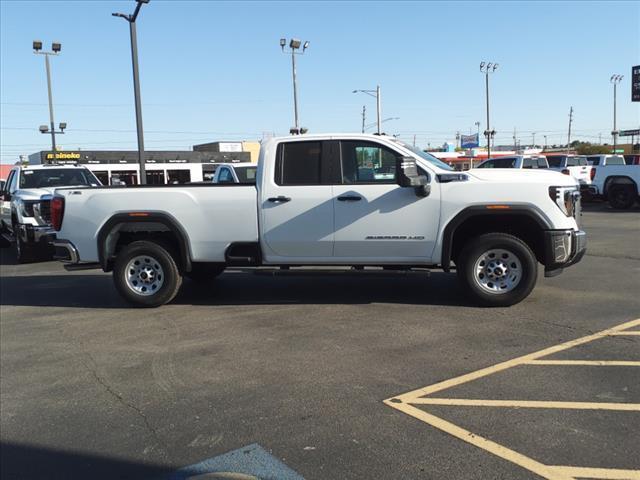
[(297, 376)]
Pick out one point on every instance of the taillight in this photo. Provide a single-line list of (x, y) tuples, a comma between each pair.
[(57, 212), (592, 173), (566, 171)]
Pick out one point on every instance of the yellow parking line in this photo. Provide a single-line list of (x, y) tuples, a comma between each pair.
[(407, 397), (550, 473), (599, 473), (404, 403), (466, 402), (596, 363)]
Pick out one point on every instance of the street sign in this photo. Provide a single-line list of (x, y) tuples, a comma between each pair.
[(635, 83), (629, 133)]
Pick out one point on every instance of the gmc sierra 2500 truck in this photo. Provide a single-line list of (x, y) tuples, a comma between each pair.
[(342, 199)]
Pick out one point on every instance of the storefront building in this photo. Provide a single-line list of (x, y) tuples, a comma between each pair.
[(162, 167)]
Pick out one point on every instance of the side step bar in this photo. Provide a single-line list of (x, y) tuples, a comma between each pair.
[(303, 272), (73, 267)]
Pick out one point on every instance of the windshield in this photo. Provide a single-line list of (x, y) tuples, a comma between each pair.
[(425, 156), (57, 177), (246, 174)]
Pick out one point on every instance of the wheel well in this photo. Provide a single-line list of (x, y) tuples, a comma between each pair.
[(521, 226), (618, 180), (115, 235)]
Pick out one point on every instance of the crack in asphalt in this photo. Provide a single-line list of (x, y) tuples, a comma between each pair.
[(122, 400)]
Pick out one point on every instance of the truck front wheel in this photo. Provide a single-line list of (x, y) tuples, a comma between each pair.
[(621, 197), (497, 269), (146, 274)]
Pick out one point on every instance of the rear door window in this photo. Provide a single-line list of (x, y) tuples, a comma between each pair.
[(555, 162), (617, 160), (530, 163), (298, 163)]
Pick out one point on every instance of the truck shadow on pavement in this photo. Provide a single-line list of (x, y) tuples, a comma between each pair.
[(30, 462), (240, 288)]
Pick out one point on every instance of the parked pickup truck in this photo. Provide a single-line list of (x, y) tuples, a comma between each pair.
[(315, 204), (618, 184), (575, 165), (242, 172), (24, 205)]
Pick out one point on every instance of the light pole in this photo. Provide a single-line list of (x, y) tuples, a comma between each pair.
[(545, 142), (615, 79), (294, 44), (477, 124), (136, 83), (487, 68), (364, 116), (55, 50), (376, 94), (533, 139)]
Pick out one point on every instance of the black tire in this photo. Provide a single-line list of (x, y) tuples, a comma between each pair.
[(169, 282), (474, 250), (25, 252), (204, 273), (621, 197)]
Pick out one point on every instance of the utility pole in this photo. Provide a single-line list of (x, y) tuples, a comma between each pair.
[(545, 142), (533, 139), (569, 134), (515, 144), (136, 84), (486, 68), (364, 116), (414, 140), (600, 138), (458, 139), (615, 79)]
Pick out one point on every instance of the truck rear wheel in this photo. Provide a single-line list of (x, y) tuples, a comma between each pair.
[(497, 269), (146, 274), (621, 197)]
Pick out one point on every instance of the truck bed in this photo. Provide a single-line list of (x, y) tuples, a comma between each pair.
[(211, 216)]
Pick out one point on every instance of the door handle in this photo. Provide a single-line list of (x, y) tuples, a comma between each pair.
[(279, 199), (349, 198)]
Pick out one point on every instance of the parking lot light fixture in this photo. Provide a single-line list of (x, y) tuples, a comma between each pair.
[(615, 80), (376, 94), (487, 68), (56, 47), (294, 49), (136, 83)]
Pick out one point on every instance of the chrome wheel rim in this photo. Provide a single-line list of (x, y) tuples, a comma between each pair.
[(144, 275), (497, 271)]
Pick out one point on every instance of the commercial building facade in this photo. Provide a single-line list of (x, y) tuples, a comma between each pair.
[(162, 167)]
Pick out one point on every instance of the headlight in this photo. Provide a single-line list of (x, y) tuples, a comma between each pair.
[(566, 198), (25, 207)]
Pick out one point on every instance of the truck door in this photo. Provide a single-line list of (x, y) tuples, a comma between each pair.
[(375, 219), (296, 202)]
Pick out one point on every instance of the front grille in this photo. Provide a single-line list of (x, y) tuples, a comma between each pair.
[(45, 210)]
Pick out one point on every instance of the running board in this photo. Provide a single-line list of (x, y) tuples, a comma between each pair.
[(304, 272), (72, 267)]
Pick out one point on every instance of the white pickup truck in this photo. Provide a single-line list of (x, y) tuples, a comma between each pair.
[(618, 184), (316, 202)]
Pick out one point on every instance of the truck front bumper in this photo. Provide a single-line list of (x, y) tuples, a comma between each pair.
[(40, 234), (563, 248)]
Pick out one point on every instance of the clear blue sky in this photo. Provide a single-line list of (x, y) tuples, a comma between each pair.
[(214, 70)]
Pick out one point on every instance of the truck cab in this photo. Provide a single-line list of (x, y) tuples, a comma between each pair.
[(516, 161)]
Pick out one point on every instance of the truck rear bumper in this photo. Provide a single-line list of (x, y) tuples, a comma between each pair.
[(562, 249), (66, 252)]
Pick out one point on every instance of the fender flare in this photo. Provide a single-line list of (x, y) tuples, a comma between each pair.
[(149, 217), (485, 210)]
